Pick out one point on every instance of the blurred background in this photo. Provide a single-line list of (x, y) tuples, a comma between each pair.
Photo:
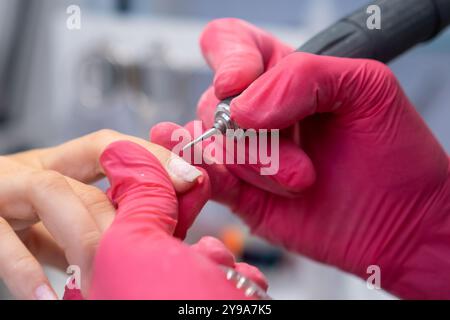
[(135, 63)]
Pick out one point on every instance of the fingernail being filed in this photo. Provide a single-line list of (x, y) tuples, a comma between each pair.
[(44, 292), (182, 170)]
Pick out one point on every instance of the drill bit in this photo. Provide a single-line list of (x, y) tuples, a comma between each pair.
[(211, 132), (222, 122)]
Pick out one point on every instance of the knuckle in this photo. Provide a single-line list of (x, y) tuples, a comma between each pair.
[(105, 135), (379, 78), (377, 67), (90, 194), (89, 241), (95, 199), (44, 181), (301, 62), (97, 141)]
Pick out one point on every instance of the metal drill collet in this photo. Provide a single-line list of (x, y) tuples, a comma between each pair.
[(222, 123)]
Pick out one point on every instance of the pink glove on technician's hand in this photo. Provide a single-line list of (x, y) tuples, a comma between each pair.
[(138, 256), (372, 182)]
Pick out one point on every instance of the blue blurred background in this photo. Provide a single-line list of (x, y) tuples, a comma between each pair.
[(135, 63)]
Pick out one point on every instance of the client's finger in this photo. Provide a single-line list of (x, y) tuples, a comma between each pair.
[(62, 212), (20, 271), (79, 158)]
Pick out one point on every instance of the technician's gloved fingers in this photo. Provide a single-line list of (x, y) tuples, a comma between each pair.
[(224, 185), (234, 56), (137, 257), (141, 189), (293, 170), (206, 107), (283, 168), (302, 84), (138, 268), (79, 158), (239, 53), (170, 136), (252, 273), (287, 171), (191, 203), (216, 251), (253, 202), (247, 201), (21, 272)]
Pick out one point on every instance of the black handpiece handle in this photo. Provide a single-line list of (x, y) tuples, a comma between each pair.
[(404, 23)]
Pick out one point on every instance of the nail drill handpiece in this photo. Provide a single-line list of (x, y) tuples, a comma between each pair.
[(404, 24)]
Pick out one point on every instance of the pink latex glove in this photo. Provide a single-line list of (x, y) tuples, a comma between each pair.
[(381, 193), (138, 257)]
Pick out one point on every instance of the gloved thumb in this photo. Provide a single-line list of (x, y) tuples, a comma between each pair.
[(140, 189), (238, 52)]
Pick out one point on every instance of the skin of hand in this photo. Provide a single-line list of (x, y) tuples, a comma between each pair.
[(49, 214), (377, 191), (138, 257)]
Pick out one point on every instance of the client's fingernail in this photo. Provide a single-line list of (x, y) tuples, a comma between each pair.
[(183, 170), (43, 292)]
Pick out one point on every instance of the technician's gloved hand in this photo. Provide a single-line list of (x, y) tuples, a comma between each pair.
[(138, 257), (372, 180)]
